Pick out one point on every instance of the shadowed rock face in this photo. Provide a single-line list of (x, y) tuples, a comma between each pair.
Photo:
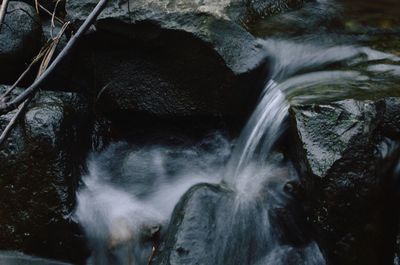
[(20, 40), (343, 158), (209, 21), (38, 172), (172, 58)]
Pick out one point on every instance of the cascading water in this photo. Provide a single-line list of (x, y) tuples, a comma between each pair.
[(130, 192)]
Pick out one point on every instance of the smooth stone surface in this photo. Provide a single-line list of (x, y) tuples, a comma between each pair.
[(343, 160), (20, 40), (39, 170), (172, 59)]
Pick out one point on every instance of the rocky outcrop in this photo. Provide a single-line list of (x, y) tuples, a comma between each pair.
[(171, 58), (39, 167), (168, 59), (344, 157), (20, 40)]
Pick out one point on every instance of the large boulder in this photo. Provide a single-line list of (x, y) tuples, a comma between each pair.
[(171, 58), (344, 157), (212, 225), (20, 40), (39, 170)]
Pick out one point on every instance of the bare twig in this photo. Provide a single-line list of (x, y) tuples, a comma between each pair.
[(11, 88), (27, 70), (153, 251), (13, 121), (47, 53), (9, 106), (52, 14), (3, 10), (37, 6), (102, 91)]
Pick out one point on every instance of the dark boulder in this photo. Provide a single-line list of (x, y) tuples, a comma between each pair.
[(39, 170), (170, 58), (212, 225), (191, 235), (20, 40), (344, 167)]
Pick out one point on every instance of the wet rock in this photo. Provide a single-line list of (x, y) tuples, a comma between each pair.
[(16, 258), (191, 236), (347, 185), (262, 8), (20, 40), (211, 225), (170, 58), (392, 118), (50, 5), (39, 169), (176, 60)]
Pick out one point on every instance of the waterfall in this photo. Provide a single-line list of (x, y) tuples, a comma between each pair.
[(129, 192)]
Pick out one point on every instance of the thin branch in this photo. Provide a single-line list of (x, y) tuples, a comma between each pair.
[(27, 70), (47, 53), (37, 6), (153, 251), (54, 13), (3, 10), (9, 106), (53, 16), (13, 121), (11, 88)]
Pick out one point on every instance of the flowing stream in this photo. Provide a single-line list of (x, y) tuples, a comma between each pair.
[(130, 191)]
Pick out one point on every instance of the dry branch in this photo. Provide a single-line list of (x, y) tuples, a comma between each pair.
[(22, 76), (6, 107), (13, 121), (3, 10), (52, 14), (46, 53)]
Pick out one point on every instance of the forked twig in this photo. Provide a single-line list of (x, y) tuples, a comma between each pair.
[(53, 16), (6, 107), (47, 53), (27, 70)]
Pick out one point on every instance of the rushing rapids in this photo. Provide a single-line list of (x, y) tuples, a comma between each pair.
[(129, 192)]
